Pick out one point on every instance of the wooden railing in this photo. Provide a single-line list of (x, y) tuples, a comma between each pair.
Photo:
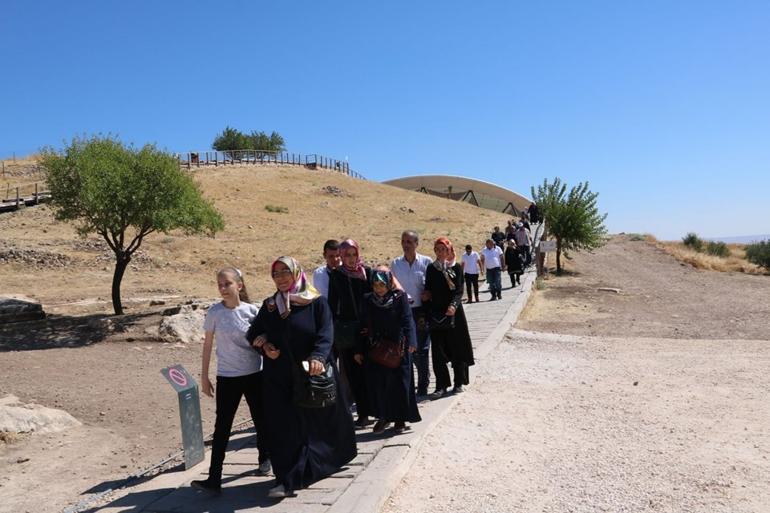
[(262, 157)]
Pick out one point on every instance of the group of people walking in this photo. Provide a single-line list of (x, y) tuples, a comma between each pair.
[(314, 353), (510, 251)]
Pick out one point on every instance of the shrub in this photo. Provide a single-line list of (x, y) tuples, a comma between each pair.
[(636, 237), (692, 241), (759, 253), (277, 210), (718, 248)]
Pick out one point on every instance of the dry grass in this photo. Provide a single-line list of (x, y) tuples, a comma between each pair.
[(735, 263)]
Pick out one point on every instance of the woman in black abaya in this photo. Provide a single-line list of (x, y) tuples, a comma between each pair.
[(386, 315), (293, 326)]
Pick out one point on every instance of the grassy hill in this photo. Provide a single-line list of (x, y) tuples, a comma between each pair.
[(269, 211)]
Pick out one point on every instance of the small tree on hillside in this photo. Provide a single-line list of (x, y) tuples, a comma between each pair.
[(232, 139), (124, 194), (759, 253), (573, 218), (261, 141)]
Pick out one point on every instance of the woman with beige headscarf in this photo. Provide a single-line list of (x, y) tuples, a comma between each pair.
[(294, 331)]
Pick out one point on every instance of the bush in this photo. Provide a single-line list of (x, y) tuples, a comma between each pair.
[(277, 210), (692, 241), (719, 249), (759, 253)]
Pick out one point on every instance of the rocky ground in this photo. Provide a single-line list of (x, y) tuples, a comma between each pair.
[(654, 401)]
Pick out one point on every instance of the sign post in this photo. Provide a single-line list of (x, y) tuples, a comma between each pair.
[(189, 413), (545, 247)]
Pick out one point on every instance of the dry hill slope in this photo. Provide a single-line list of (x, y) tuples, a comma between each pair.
[(657, 297), (59, 268)]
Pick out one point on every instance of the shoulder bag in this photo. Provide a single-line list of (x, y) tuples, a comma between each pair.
[(311, 391)]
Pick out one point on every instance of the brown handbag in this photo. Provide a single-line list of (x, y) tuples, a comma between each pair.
[(387, 353)]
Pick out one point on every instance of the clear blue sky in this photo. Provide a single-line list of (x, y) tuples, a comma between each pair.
[(664, 107)]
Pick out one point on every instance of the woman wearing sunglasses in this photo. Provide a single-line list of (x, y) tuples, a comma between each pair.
[(293, 329)]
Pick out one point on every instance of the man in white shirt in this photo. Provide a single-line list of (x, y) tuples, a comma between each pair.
[(471, 271), (321, 275), (492, 260), (409, 270), (523, 242)]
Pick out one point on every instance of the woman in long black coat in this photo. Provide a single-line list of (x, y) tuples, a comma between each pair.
[(513, 263), (450, 340), (347, 286), (294, 326), (386, 315)]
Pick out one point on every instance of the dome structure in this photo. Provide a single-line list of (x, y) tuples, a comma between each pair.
[(477, 192)]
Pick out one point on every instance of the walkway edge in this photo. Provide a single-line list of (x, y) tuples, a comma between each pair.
[(372, 487)]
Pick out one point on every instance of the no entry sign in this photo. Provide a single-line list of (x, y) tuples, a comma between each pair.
[(189, 413)]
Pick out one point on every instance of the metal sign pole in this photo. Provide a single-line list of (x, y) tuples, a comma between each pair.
[(189, 413)]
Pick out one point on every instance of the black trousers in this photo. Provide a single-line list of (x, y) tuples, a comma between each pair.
[(229, 391), (356, 380), (472, 281), (442, 355)]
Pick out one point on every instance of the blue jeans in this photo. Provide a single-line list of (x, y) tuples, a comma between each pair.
[(494, 280)]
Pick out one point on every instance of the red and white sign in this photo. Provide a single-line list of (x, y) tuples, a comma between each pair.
[(177, 377)]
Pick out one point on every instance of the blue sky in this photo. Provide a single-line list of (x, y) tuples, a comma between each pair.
[(664, 107)]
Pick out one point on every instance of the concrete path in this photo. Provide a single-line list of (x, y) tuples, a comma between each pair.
[(361, 487)]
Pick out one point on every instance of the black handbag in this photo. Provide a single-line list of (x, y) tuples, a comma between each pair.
[(314, 391), (311, 391), (441, 322)]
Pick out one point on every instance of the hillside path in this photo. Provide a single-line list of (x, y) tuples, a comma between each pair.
[(362, 486)]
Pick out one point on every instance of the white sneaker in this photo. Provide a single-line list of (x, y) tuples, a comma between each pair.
[(277, 492)]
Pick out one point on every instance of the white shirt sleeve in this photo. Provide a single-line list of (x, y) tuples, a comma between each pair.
[(321, 281)]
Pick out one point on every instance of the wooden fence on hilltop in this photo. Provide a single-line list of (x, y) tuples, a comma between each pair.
[(262, 157)]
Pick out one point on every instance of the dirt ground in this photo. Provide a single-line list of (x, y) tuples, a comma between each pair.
[(653, 399), (656, 297), (105, 370)]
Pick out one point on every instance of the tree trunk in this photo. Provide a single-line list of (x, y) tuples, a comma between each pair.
[(121, 262), (558, 257)]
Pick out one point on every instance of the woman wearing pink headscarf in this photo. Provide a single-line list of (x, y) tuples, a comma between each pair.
[(347, 286), (293, 329), (450, 339)]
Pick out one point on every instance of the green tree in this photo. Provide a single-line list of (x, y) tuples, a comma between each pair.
[(124, 194), (759, 253), (262, 141), (573, 218), (232, 139)]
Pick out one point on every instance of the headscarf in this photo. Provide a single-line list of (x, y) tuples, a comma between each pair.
[(446, 266), (300, 293), (394, 288), (358, 272)]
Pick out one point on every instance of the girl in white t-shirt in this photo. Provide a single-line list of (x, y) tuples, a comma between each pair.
[(239, 373)]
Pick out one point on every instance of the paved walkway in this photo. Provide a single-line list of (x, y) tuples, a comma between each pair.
[(361, 487)]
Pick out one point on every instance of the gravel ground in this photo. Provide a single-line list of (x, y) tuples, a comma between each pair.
[(560, 423), (565, 416)]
